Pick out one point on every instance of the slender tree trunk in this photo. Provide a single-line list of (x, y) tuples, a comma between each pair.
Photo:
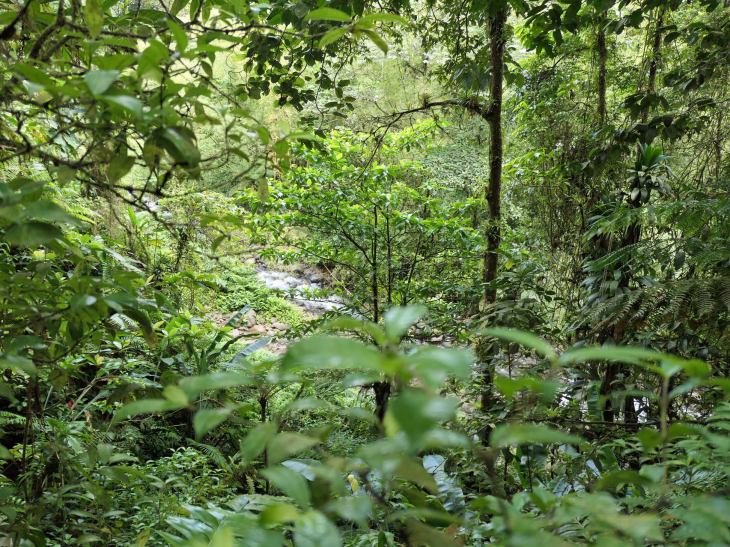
[(602, 54), (374, 276), (656, 52), (494, 188)]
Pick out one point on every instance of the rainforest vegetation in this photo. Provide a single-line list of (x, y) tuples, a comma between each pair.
[(355, 273)]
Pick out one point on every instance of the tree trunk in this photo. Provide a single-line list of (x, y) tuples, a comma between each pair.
[(601, 47), (494, 188), (656, 51)]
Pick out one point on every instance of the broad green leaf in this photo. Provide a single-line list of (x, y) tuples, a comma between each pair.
[(223, 537), (624, 354), (614, 479), (524, 338), (323, 352), (314, 529), (327, 14), (384, 17), (278, 513), (146, 406), (287, 444), (94, 17), (357, 509), (517, 434), (350, 323), (175, 395), (207, 419), (18, 363), (177, 5), (178, 142), (195, 385), (98, 81), (398, 320), (34, 74), (143, 537), (434, 365), (32, 234), (181, 37), (256, 441), (127, 102), (377, 40), (291, 483), (80, 301), (332, 36), (119, 167), (251, 348), (418, 414), (47, 210)]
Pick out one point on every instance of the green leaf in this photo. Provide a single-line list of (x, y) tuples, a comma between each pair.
[(142, 537), (332, 36), (143, 321), (82, 301), (357, 509), (524, 338), (287, 444), (181, 37), (418, 414), (377, 40), (195, 385), (176, 395), (277, 513), (517, 434), (256, 441), (33, 74), (325, 352), (94, 17), (118, 168), (384, 17), (291, 483), (264, 135), (614, 479), (146, 406), (624, 354), (434, 365), (205, 420), (178, 142), (350, 323), (98, 81), (177, 5), (32, 234), (315, 530), (127, 102), (47, 210), (248, 350), (327, 14), (18, 363), (398, 320)]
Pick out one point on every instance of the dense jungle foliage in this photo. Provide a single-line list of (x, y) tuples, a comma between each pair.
[(342, 273)]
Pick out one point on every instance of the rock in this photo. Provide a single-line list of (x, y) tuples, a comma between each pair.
[(251, 318), (279, 326), (235, 332), (315, 278), (257, 329), (437, 339)]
